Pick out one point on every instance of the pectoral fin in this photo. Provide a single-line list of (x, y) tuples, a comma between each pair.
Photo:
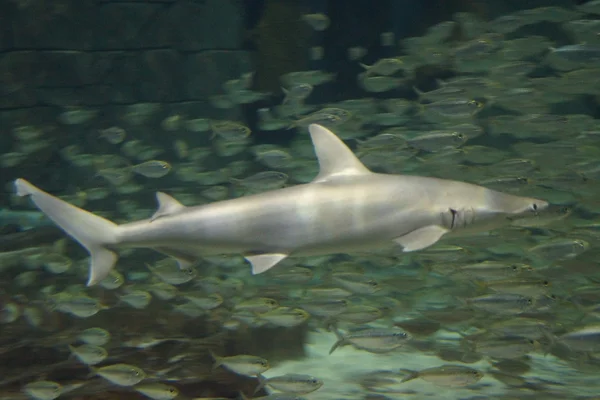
[(264, 262), (421, 238)]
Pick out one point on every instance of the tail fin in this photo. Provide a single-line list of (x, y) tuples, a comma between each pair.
[(91, 231)]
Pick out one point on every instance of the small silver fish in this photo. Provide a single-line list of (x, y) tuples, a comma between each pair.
[(291, 383), (89, 354), (242, 364), (446, 375), (113, 135), (121, 374), (43, 390), (157, 390), (94, 336), (373, 340), (152, 168)]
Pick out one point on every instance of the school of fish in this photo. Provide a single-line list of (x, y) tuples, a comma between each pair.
[(433, 238)]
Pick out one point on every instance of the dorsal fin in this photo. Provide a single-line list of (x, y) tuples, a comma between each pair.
[(335, 158), (166, 205)]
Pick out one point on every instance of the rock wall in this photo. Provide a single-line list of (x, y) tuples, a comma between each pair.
[(94, 52)]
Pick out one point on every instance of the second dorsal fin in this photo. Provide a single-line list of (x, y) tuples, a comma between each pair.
[(166, 205)]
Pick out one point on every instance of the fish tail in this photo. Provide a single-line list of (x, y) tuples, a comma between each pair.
[(91, 231), (262, 382), (217, 359), (410, 375), (337, 344)]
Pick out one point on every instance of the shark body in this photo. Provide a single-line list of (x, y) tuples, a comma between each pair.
[(345, 209)]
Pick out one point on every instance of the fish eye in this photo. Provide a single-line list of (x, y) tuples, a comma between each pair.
[(372, 283), (172, 390), (546, 283), (515, 268), (529, 301)]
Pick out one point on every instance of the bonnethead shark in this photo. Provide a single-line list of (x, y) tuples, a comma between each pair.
[(345, 209)]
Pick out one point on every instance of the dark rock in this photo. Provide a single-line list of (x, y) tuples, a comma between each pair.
[(138, 1), (206, 72), (131, 26), (160, 76), (282, 39), (65, 68), (94, 95), (211, 24), (19, 75), (59, 96), (6, 14), (117, 74), (58, 24)]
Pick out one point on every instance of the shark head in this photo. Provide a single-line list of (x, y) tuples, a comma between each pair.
[(490, 210), (509, 204)]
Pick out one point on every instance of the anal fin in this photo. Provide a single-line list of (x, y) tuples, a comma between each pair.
[(421, 238), (264, 262)]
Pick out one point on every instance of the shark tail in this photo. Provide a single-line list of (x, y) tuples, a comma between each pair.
[(91, 231)]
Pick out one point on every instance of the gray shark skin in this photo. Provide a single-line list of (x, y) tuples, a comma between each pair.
[(345, 209)]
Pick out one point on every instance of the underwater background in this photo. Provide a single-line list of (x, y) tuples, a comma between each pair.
[(105, 102)]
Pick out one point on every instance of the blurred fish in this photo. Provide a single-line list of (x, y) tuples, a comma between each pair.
[(89, 354), (157, 391), (242, 364), (319, 22), (291, 383), (94, 336), (373, 340), (384, 66), (113, 135), (121, 374), (152, 169), (43, 390), (446, 375)]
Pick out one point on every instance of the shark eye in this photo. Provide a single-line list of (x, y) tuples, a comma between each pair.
[(534, 207)]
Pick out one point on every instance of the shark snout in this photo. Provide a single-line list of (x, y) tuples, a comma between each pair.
[(539, 205)]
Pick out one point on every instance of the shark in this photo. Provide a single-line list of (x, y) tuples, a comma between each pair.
[(346, 208)]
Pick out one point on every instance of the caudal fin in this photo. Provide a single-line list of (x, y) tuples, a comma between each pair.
[(91, 231)]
